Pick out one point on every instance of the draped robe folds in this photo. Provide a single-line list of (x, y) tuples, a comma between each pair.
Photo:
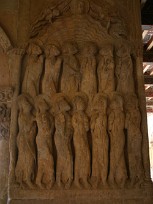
[(50, 83), (134, 141), (116, 124), (25, 168), (70, 81), (99, 147), (89, 80), (80, 124), (105, 70), (31, 81), (63, 137), (44, 141)]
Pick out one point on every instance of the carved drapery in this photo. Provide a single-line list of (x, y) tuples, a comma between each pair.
[(75, 123)]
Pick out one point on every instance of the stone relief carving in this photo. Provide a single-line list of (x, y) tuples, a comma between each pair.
[(71, 69), (34, 70), (63, 137), (113, 24), (80, 123), (116, 124), (52, 70), (48, 16), (134, 137), (72, 119), (79, 7), (88, 70), (25, 167), (117, 28), (100, 140), (44, 140), (124, 70), (105, 70)]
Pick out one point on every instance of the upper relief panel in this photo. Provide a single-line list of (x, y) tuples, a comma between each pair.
[(81, 21)]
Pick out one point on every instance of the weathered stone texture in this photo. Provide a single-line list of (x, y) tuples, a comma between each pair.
[(77, 128)]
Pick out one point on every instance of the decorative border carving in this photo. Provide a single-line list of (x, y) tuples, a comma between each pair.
[(6, 95)]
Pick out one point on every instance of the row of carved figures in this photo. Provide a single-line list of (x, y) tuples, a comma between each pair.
[(89, 70), (114, 157), (112, 24)]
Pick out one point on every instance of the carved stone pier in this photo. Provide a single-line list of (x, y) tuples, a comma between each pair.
[(78, 131)]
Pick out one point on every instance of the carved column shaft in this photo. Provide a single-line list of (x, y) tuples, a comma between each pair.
[(15, 61)]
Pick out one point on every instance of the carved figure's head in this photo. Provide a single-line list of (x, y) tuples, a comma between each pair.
[(123, 50), (60, 104), (79, 7), (100, 103), (63, 105), (131, 102), (80, 101), (90, 49), (3, 111), (107, 50), (70, 48), (40, 104), (34, 49), (116, 102), (25, 103), (52, 51), (56, 12), (118, 27)]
